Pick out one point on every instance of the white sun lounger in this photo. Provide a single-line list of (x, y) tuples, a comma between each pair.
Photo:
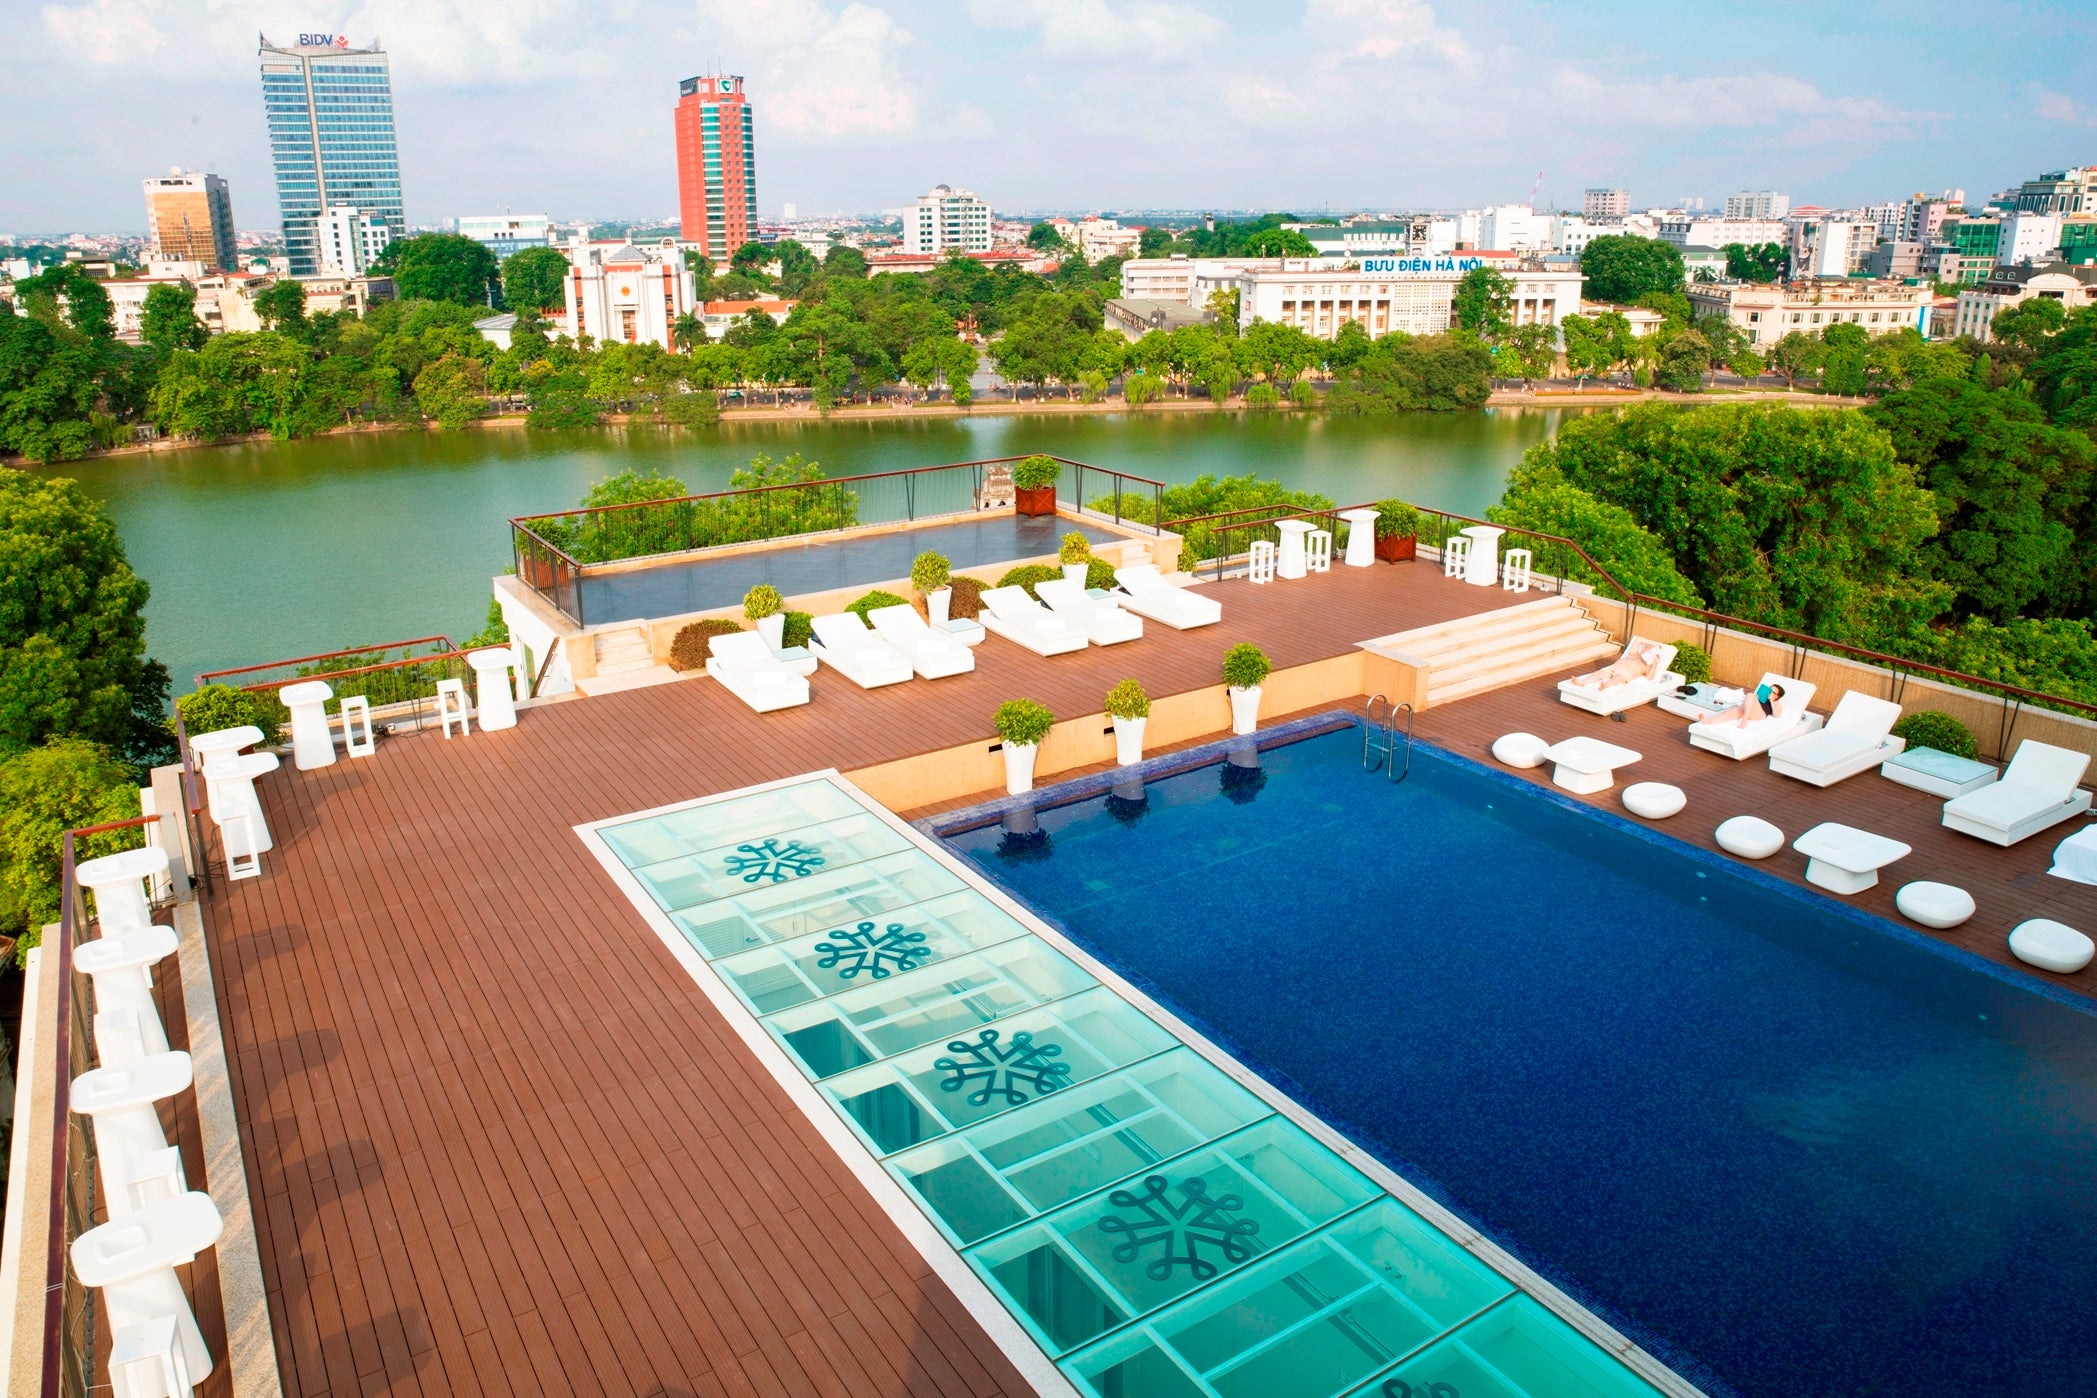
[(1011, 613), (1148, 594), (1742, 741), (1104, 622), (746, 668), (1857, 738), (2038, 789), (1627, 695), (844, 643), (930, 654)]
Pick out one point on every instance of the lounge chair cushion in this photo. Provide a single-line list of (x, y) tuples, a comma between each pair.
[(1824, 749), (2002, 805), (2051, 946)]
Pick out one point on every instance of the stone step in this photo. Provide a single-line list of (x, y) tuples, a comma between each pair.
[(1515, 670)]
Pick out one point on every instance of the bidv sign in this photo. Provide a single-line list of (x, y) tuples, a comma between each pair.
[(1420, 266), (324, 41)]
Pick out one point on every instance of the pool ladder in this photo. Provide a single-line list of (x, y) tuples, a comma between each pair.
[(1380, 738)]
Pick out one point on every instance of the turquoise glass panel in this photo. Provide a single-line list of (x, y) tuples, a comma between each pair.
[(829, 898), (1515, 1350), (763, 861), (653, 839), (866, 951)]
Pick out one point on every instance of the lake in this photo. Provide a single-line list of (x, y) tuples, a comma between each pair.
[(259, 552)]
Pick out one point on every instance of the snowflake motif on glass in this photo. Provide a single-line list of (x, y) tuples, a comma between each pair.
[(872, 950), (1399, 1388), (1180, 1230), (1011, 1071), (768, 861)]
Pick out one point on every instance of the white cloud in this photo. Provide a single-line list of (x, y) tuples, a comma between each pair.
[(1720, 100), (2057, 106), (1139, 29), (1377, 31), (820, 74)]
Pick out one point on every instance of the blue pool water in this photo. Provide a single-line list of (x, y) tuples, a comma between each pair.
[(1791, 1149)]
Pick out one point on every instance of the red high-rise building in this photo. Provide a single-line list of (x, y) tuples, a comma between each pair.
[(716, 164)]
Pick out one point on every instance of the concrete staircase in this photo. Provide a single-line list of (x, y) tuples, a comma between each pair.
[(1491, 650), (622, 652)]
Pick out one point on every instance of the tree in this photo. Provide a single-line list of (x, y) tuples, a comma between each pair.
[(1842, 363), (282, 307), (48, 387), (797, 265), (688, 332), (1154, 242), (1402, 374), (1539, 497), (1277, 242), (45, 791), (1526, 353), (1586, 351), (751, 259), (65, 295), (72, 626), (452, 391), (1046, 237), (2025, 326), (1797, 353), (844, 261), (442, 267), (168, 319), (2011, 492), (1223, 305), (1622, 268), (1684, 361), (533, 278), (1482, 301), (2064, 372), (1759, 262)]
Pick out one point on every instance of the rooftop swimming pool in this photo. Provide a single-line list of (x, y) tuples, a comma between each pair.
[(1787, 1147), (1114, 1204)]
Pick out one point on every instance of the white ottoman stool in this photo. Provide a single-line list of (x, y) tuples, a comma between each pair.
[(1934, 904), (1654, 800), (2051, 946), (1750, 837), (1520, 749)]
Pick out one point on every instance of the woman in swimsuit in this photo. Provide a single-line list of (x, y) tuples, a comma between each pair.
[(1762, 705)]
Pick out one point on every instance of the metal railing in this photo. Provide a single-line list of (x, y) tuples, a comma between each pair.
[(554, 553), (69, 1308), (1228, 538), (396, 672)]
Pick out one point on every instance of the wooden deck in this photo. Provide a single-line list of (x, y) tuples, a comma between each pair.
[(501, 1143)]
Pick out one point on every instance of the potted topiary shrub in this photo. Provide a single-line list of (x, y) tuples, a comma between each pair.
[(1034, 485), (1397, 531), (1129, 707), (1692, 663), (1021, 725), (763, 605), (929, 574), (1245, 667), (1076, 557)]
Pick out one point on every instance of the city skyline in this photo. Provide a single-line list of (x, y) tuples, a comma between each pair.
[(1071, 106)]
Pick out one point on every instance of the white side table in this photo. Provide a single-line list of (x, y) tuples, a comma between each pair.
[(1587, 765), (118, 883), (1846, 860), (216, 747), (1483, 567), (1288, 562), (1939, 773), (312, 745), (494, 700), (132, 1261), (130, 1147), (1361, 537)]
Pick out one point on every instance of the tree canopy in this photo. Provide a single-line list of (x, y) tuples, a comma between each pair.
[(442, 267), (1622, 268), (532, 279)]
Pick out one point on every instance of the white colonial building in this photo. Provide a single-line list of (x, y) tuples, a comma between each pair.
[(1767, 313), (1410, 294), (1192, 280), (2074, 287), (618, 291)]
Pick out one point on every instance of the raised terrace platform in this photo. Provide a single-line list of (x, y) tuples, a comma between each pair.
[(502, 1143)]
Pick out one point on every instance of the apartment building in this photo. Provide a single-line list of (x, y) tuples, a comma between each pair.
[(1605, 203), (1763, 204), (189, 218), (2074, 287), (948, 218)]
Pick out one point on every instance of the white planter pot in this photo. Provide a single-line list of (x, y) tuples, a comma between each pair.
[(936, 605), (773, 629), (1245, 710), (1128, 740), (1019, 767), (1075, 572)]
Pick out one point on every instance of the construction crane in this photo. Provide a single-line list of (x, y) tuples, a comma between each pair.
[(1534, 187)]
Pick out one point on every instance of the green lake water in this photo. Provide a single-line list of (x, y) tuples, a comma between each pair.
[(261, 552)]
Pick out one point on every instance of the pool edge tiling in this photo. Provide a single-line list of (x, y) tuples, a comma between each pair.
[(1086, 1172)]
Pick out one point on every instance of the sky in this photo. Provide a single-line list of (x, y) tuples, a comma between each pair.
[(563, 106)]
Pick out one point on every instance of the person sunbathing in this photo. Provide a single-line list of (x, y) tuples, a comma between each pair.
[(1645, 663), (1761, 704)]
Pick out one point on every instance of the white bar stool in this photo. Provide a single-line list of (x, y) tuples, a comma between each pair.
[(356, 714), (1317, 551), (1514, 570), (312, 744), (120, 966), (229, 791), (451, 707), (132, 1261), (1260, 567), (146, 1361), (223, 744), (138, 1166), (1456, 556), (493, 695), (1361, 537), (119, 883)]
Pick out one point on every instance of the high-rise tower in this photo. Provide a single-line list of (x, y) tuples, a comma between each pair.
[(189, 218), (716, 164), (330, 112)]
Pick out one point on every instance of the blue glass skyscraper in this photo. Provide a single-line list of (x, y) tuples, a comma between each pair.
[(330, 112)]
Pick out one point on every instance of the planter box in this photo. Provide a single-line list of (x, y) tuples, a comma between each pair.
[(1398, 550), (1041, 500)]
